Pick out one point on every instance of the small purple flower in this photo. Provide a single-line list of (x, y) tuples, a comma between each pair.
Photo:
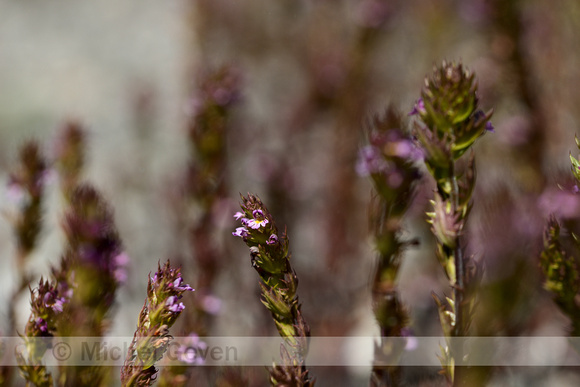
[(258, 214), (241, 232), (211, 304), (15, 194), (412, 342), (370, 161), (53, 302), (258, 221), (238, 215), (41, 325), (272, 240), (173, 306), (177, 285), (489, 127), (419, 108), (120, 272)]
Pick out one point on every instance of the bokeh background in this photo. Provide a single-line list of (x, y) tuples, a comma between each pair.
[(309, 75)]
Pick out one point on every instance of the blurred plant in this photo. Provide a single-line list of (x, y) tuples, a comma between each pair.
[(450, 122), (25, 190), (202, 197), (559, 266), (560, 269), (206, 179), (93, 264), (70, 156), (92, 268), (160, 311), (270, 257), (388, 161)]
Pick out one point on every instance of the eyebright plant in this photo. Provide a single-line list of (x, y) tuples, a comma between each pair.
[(269, 253), (450, 121), (558, 262), (47, 306), (93, 265), (389, 159), (160, 311)]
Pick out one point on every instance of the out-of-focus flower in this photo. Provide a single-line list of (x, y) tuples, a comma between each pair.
[(211, 304), (370, 161), (241, 232), (191, 350), (418, 108)]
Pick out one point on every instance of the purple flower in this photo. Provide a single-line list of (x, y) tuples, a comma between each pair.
[(177, 285), (258, 221), (489, 127), (412, 342), (120, 272), (419, 108), (190, 352), (53, 302), (41, 325), (258, 214), (173, 306), (211, 304), (238, 215), (241, 232), (272, 240), (370, 161)]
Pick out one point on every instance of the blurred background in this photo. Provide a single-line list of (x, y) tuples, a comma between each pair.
[(303, 78)]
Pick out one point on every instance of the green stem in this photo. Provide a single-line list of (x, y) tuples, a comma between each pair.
[(457, 284)]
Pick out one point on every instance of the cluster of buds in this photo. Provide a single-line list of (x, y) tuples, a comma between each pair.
[(450, 119), (162, 308), (70, 156), (389, 160), (271, 259), (47, 306)]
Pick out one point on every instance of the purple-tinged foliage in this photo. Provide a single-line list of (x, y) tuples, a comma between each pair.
[(162, 307)]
